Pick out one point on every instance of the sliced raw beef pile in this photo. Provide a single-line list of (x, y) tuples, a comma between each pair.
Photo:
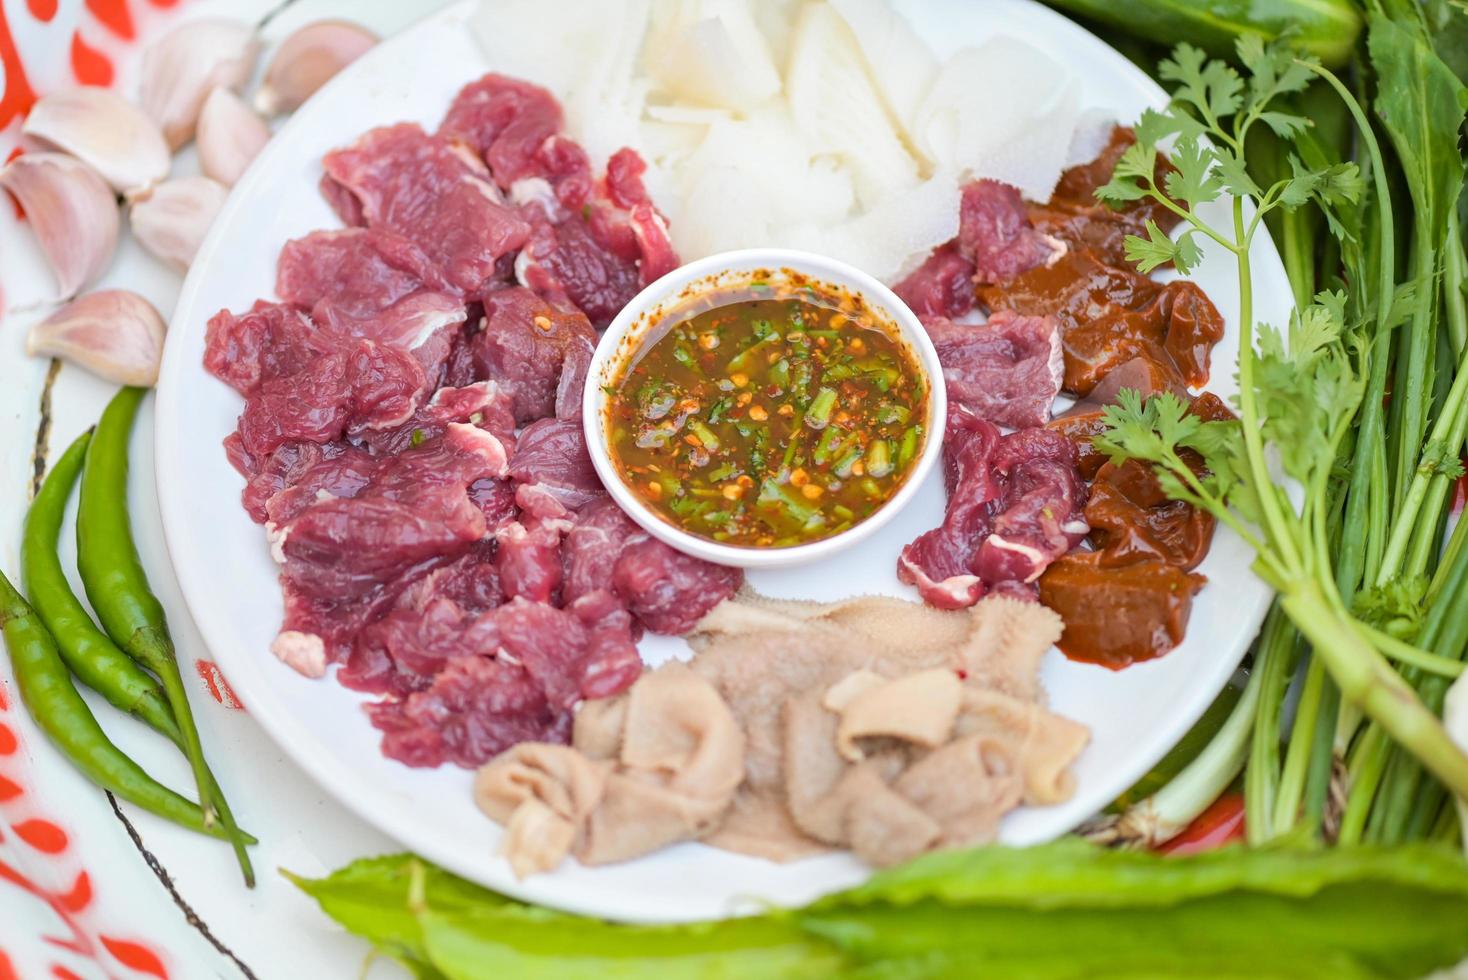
[(1014, 506), (1063, 260), (592, 243), (411, 435), (1007, 370)]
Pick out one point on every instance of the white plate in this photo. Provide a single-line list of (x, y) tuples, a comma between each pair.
[(229, 580)]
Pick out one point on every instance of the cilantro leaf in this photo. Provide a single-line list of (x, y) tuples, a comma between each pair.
[(1157, 249), (1213, 87), (1438, 458), (1234, 174), (1193, 182), (1132, 177), (1274, 70), (1285, 125), (1395, 608)]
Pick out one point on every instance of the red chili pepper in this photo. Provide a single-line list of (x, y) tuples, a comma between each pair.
[(1220, 824)]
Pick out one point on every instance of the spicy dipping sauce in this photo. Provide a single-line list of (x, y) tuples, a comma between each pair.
[(769, 416)]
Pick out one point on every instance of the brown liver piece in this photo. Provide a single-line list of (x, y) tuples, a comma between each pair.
[(1118, 616), (1133, 520), (1108, 312)]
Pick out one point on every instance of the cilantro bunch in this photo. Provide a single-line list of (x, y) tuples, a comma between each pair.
[(1305, 474)]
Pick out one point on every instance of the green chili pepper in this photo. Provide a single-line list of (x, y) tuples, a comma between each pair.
[(118, 590), (53, 702), (90, 654)]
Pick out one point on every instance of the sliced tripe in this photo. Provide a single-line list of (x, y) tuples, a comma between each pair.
[(919, 708), (836, 105)]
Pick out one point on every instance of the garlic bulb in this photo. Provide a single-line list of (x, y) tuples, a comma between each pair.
[(181, 69), (307, 59), (230, 135), (104, 131), (72, 211), (173, 218), (114, 333)]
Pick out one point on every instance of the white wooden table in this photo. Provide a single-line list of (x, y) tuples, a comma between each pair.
[(175, 895)]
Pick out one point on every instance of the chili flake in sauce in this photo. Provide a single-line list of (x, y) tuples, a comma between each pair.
[(770, 419)]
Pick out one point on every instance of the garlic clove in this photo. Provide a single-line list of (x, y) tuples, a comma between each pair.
[(114, 333), (307, 59), (230, 134), (181, 69), (104, 131), (172, 219), (72, 211)]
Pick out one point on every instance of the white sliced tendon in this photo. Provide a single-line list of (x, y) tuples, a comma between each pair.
[(1092, 133), (776, 21), (721, 208), (794, 185), (902, 66), (835, 104), (1004, 110), (720, 59), (513, 35), (820, 124), (891, 239)]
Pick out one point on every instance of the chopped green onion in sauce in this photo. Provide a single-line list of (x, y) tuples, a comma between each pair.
[(770, 416)]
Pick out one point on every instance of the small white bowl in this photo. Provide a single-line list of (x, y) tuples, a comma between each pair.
[(637, 326)]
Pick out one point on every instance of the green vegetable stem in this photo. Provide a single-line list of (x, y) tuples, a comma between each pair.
[(1326, 29)]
